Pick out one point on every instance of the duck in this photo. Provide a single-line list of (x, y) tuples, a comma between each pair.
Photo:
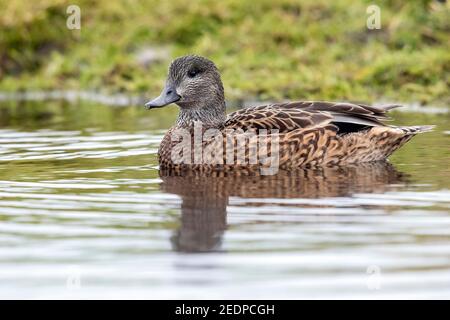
[(285, 135)]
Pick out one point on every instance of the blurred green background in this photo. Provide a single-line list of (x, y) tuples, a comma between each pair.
[(310, 49)]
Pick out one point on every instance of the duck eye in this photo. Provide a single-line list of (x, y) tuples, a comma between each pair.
[(192, 73)]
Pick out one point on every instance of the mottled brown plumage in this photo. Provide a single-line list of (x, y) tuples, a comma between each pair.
[(308, 133)]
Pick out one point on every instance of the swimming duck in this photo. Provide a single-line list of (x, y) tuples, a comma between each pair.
[(301, 133)]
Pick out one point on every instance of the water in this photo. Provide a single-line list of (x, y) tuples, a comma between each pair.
[(84, 213)]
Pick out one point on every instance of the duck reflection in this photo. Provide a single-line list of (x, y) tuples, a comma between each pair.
[(205, 196)]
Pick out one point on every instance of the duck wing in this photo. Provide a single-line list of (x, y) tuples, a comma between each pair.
[(348, 117)]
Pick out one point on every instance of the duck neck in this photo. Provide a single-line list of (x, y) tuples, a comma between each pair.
[(210, 116)]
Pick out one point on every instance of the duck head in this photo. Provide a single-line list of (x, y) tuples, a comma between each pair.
[(194, 84)]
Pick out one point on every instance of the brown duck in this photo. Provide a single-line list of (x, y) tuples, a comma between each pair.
[(303, 133)]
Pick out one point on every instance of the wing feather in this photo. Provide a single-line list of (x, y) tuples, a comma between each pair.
[(303, 114)]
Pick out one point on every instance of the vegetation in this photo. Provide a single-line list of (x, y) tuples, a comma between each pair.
[(311, 49)]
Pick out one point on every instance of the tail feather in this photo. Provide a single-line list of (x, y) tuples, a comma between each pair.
[(387, 107), (416, 129)]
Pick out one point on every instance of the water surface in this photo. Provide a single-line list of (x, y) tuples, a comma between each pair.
[(85, 213)]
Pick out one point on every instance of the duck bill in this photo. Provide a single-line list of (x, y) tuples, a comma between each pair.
[(168, 95)]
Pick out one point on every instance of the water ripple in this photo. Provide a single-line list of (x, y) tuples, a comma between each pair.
[(92, 203)]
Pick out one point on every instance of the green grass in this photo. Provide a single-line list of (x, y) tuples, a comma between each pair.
[(312, 49)]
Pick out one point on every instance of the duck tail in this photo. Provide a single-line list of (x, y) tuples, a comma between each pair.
[(387, 107), (413, 130)]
